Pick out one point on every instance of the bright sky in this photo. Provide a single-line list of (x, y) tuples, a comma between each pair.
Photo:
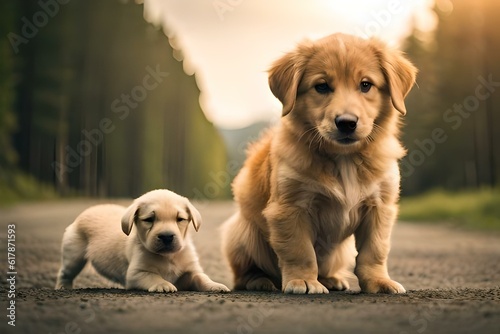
[(230, 44)]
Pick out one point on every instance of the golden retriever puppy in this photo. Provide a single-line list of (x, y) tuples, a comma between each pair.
[(157, 255), (327, 172)]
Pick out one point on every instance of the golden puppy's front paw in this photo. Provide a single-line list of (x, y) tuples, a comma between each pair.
[(163, 287), (261, 284), (300, 286), (334, 283), (382, 285)]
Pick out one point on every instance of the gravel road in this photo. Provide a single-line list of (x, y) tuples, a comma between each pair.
[(452, 277)]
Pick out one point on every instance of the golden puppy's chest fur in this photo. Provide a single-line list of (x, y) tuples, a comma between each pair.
[(335, 192)]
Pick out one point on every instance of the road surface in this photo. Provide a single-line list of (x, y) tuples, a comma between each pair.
[(452, 277)]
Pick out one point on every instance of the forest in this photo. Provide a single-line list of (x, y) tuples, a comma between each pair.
[(95, 104), (74, 122), (450, 129)]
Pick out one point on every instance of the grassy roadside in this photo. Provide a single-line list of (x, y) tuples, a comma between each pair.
[(476, 209), (19, 187)]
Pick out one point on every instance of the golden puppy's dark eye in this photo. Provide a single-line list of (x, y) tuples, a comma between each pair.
[(323, 88), (150, 219), (180, 219), (365, 86)]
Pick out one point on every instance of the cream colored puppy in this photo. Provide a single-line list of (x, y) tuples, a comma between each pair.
[(157, 255)]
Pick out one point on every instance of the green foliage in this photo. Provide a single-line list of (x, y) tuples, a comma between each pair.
[(451, 96), (477, 209), (8, 155), (20, 186)]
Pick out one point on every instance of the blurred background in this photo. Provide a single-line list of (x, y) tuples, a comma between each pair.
[(109, 98)]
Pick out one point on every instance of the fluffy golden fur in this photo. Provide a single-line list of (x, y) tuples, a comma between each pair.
[(326, 175), (156, 255)]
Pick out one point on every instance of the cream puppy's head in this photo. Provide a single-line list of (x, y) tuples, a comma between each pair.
[(162, 219), (342, 91)]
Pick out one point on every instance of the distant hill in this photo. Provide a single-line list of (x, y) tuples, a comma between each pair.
[(237, 140)]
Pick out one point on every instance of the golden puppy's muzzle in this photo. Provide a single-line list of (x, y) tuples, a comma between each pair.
[(346, 129)]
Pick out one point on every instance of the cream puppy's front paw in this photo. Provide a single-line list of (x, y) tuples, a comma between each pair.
[(162, 287), (201, 282), (216, 287)]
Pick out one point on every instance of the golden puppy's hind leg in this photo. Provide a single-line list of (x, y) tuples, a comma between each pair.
[(238, 241)]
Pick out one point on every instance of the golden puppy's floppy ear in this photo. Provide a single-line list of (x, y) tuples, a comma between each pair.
[(285, 75), (195, 216), (129, 217), (399, 72)]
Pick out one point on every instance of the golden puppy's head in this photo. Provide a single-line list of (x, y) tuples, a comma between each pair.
[(342, 91), (162, 218)]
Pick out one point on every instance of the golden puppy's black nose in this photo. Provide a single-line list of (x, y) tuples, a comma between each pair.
[(166, 238), (346, 123)]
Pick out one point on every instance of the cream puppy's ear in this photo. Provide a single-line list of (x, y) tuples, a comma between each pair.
[(399, 72), (129, 217), (285, 75), (195, 216)]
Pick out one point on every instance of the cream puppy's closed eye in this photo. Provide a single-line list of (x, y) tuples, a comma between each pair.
[(152, 251), (327, 173)]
